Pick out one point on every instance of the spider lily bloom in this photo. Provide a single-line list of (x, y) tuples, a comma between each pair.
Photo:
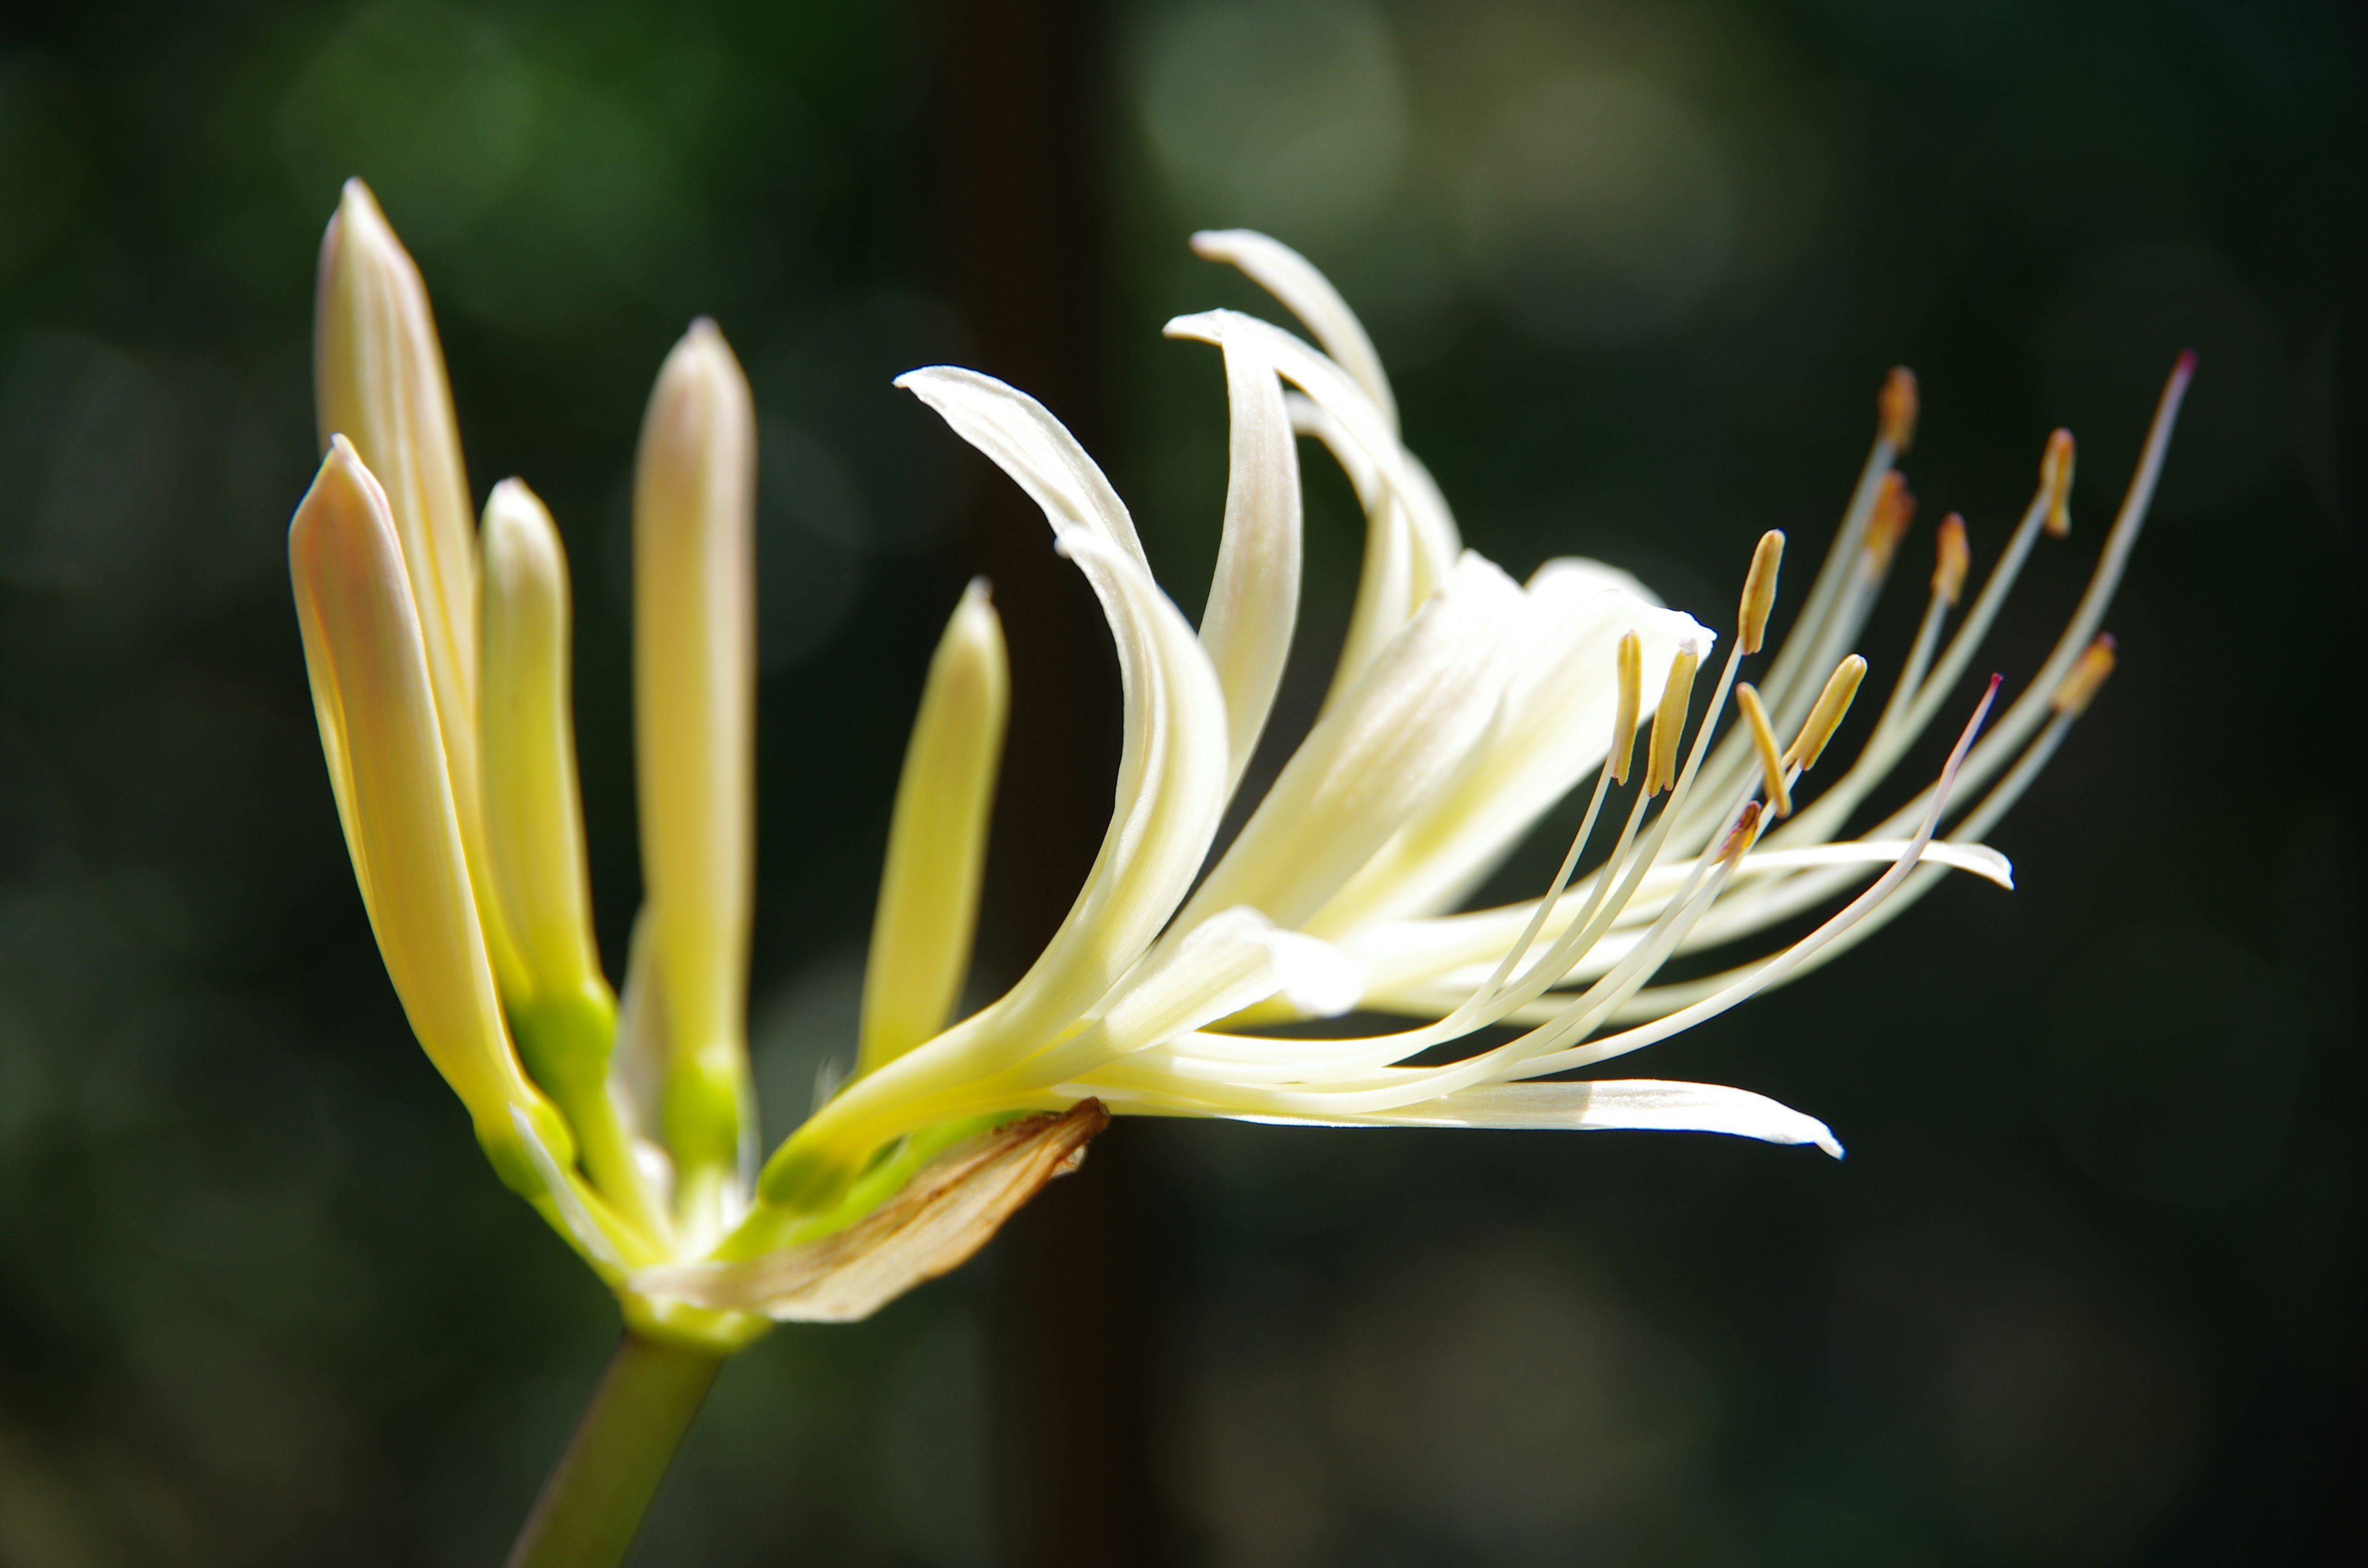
[(1463, 708)]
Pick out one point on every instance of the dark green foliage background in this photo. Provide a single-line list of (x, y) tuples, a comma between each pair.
[(2085, 1290)]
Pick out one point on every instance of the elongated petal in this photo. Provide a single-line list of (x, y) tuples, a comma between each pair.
[(1253, 597), (534, 814), (1230, 962), (694, 708), (1169, 795), (1377, 757), (1555, 725), (1333, 390), (1306, 293), (368, 661), (937, 840), (949, 1211), (378, 381), (1023, 440), (1606, 1104)]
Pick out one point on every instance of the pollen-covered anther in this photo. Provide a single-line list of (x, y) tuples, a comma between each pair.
[(1763, 737), (2055, 479), (1895, 508), (1670, 723), (1743, 835), (1955, 559), (1833, 705), (2080, 688), (1632, 706), (1759, 589), (1897, 406)]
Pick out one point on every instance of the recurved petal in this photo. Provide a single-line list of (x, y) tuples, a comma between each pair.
[(365, 654), (1377, 757), (1254, 594), (937, 839), (1333, 390), (952, 1206), (1023, 440), (1306, 293), (1169, 795)]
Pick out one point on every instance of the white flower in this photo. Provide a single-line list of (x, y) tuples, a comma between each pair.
[(1463, 707)]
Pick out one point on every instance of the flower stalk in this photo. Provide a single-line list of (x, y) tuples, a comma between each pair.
[(592, 1506)]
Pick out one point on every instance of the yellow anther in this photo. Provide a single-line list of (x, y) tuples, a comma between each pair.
[(2080, 688), (1895, 508), (1897, 406), (1743, 835), (1670, 723), (1956, 558), (1632, 706), (1771, 767), (2055, 479), (1833, 704), (1759, 589)]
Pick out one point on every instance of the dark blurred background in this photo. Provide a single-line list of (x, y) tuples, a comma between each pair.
[(2081, 1293)]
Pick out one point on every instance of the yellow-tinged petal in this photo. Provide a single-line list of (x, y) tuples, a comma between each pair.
[(565, 1017), (936, 841), (365, 653), (534, 816), (694, 706), (378, 381)]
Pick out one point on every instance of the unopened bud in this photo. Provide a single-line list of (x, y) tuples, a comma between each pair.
[(1897, 407), (1759, 589), (1632, 706), (1670, 723), (1833, 704), (2055, 479), (2080, 688), (1956, 558), (1763, 738)]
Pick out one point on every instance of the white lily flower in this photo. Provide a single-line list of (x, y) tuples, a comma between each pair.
[(1463, 708)]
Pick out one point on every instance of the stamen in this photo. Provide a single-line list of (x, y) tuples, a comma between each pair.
[(1669, 721), (1759, 589), (2055, 478), (1833, 704), (1746, 831), (1897, 406), (1771, 768), (1631, 702), (2080, 688), (1956, 559), (1895, 508)]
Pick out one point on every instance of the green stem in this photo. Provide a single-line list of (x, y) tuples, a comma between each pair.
[(591, 1508)]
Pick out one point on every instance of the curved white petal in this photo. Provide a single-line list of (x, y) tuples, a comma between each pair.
[(1376, 757), (1169, 795), (1306, 293), (1254, 595), (1606, 1104), (1554, 726), (1036, 449)]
